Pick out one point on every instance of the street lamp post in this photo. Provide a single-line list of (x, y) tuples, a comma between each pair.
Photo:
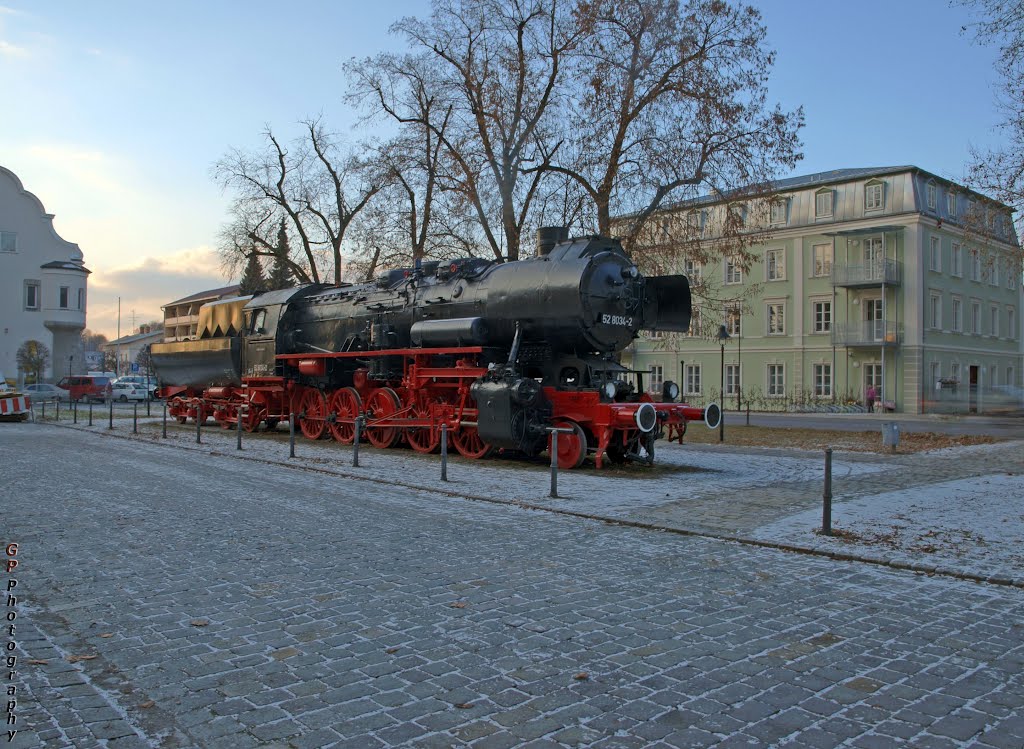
[(723, 336), (71, 358)]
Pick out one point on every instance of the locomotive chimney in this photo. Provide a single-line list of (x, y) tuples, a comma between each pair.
[(549, 236)]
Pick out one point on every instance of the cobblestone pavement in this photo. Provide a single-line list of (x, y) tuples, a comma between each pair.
[(209, 601)]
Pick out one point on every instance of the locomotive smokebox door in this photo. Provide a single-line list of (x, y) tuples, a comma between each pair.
[(667, 304)]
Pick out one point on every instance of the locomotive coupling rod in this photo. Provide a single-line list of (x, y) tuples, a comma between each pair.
[(554, 432)]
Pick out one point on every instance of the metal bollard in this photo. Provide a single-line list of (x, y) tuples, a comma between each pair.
[(444, 452), (57, 406), (149, 400), (135, 417), (165, 421), (826, 497), (355, 441), (90, 413), (748, 414), (110, 424), (74, 411), (291, 435), (554, 457), (554, 464), (43, 417), (238, 429), (199, 422)]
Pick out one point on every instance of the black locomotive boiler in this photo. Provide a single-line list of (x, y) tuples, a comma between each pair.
[(497, 353)]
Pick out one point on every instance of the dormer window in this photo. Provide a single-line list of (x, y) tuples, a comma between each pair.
[(931, 193), (778, 211), (874, 193), (951, 204), (823, 203)]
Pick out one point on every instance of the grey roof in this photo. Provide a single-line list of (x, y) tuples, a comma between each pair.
[(66, 265), (819, 179), (137, 337), (223, 291)]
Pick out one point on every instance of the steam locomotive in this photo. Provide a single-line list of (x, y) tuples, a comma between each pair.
[(496, 353)]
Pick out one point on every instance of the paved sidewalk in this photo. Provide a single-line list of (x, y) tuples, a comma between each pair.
[(255, 602)]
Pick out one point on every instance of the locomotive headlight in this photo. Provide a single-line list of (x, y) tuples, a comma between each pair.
[(670, 391), (609, 390), (646, 417)]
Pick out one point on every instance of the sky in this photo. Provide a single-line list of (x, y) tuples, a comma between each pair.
[(114, 111)]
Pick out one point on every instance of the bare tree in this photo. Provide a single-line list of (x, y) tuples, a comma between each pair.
[(501, 62), (670, 101), (316, 186)]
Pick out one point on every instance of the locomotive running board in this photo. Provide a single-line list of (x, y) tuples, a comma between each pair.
[(667, 306)]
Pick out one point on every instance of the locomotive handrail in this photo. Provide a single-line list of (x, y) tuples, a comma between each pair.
[(384, 352)]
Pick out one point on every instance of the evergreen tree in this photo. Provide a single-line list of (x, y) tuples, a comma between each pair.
[(280, 274), (253, 281)]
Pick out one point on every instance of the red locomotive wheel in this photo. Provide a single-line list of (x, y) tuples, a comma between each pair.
[(178, 409), (380, 405), (254, 414), (313, 407), (572, 448), (345, 404), (423, 439), (467, 441)]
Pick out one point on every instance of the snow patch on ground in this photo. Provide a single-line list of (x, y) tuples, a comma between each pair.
[(973, 525)]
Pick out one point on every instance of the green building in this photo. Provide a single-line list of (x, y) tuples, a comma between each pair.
[(892, 279)]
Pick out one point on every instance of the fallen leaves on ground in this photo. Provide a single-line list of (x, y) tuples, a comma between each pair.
[(200, 622), (77, 658), (818, 439)]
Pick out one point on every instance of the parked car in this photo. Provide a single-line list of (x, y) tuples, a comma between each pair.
[(86, 387), (141, 381), (45, 392), (127, 391)]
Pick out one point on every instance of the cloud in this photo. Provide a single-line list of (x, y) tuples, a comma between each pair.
[(11, 50), (145, 286)]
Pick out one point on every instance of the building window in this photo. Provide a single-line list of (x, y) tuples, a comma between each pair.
[(81, 299), (778, 212), (65, 297), (1011, 323), (993, 275), (936, 376), (657, 378), (692, 270), (776, 380), (31, 295), (733, 272), (951, 204), (954, 372), (655, 335), (993, 321), (823, 380), (976, 318), (692, 379), (873, 378), (822, 259), (975, 269), (732, 379), (776, 263), (1011, 274), (732, 321), (776, 318), (8, 241), (931, 195), (993, 375), (1009, 376), (695, 322), (935, 255), (823, 204), (956, 261), (695, 223), (958, 315), (822, 316), (873, 196), (935, 311)]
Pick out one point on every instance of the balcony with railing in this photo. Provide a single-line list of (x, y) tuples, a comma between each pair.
[(868, 274), (868, 334)]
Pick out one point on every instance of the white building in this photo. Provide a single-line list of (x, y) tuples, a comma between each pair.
[(43, 283)]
